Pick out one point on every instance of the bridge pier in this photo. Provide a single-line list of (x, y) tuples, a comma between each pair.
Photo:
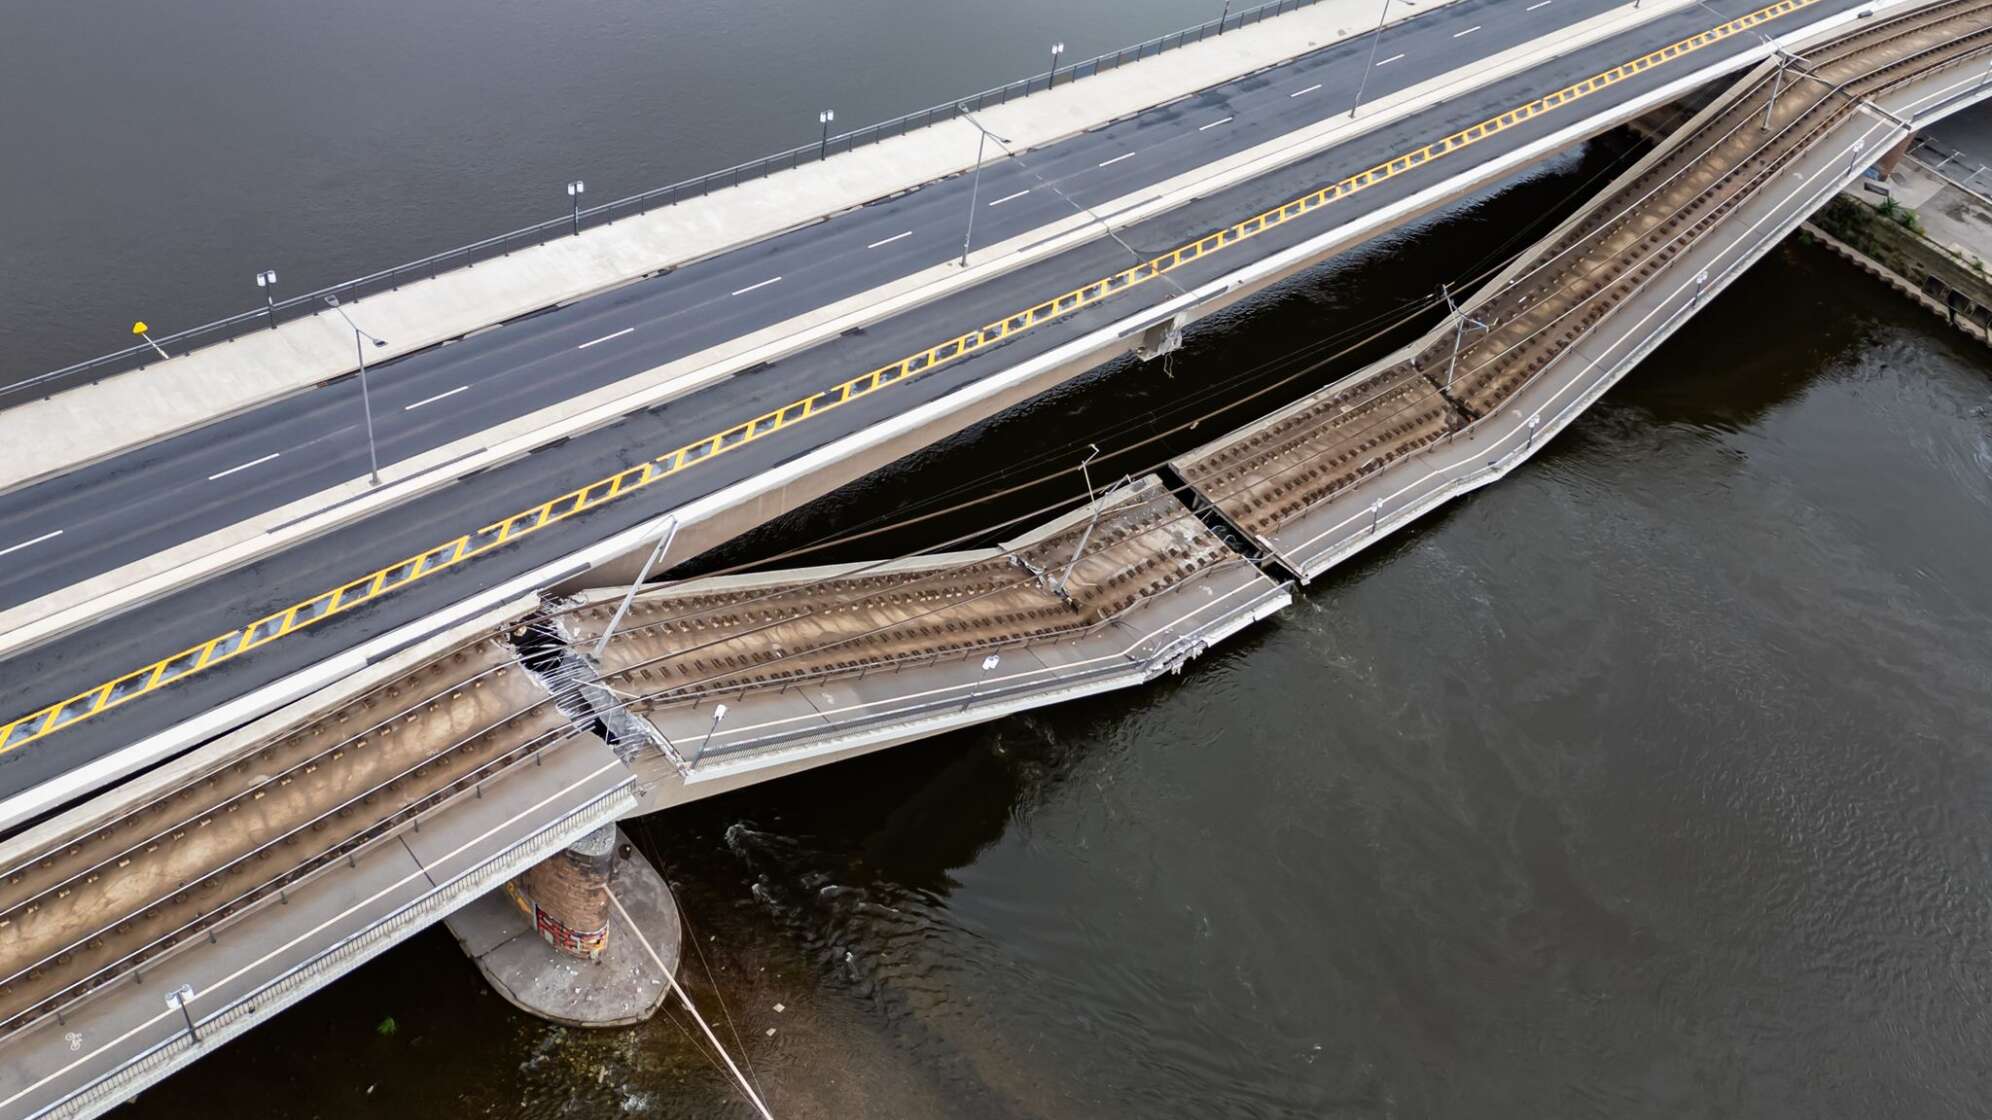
[(1893, 157), (582, 938)]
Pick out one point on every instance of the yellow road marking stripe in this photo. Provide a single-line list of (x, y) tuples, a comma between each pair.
[(46, 721)]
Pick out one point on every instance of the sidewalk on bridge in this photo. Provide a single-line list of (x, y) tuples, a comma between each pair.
[(87, 423), (124, 1037), (1037, 119)]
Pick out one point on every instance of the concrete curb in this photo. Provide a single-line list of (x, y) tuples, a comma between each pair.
[(212, 383)]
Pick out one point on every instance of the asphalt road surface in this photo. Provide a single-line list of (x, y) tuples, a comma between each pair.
[(509, 371), (179, 489)]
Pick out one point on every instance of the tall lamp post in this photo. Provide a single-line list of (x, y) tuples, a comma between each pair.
[(718, 713), (267, 281), (575, 190), (179, 998), (366, 401), (1052, 79), (824, 118), (975, 184), (1376, 40)]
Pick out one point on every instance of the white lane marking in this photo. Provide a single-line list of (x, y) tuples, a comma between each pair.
[(1008, 197), (751, 287), (607, 337), (1309, 89), (37, 540), (245, 466), (1395, 57), (890, 240), (1117, 159), (1468, 31), (451, 393), (1537, 4), (1213, 124)]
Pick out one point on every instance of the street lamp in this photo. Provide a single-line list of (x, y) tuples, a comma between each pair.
[(1376, 40), (975, 184), (366, 401), (1052, 79), (718, 713), (575, 190), (139, 328), (824, 118), (179, 998), (267, 281)]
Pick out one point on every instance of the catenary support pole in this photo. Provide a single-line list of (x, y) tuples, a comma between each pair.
[(663, 545)]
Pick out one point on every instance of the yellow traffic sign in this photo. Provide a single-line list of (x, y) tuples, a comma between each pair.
[(139, 327)]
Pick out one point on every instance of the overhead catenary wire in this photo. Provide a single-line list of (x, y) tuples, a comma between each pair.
[(1486, 266), (684, 997), (1599, 229), (1420, 306)]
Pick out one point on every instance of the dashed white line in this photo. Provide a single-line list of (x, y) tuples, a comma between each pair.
[(890, 240), (751, 287), (1213, 124), (37, 540), (1309, 89), (1468, 31), (245, 466), (454, 392), (1391, 59), (1008, 197), (606, 337), (1537, 4), (1117, 159)]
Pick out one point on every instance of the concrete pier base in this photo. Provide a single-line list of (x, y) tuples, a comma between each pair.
[(623, 984)]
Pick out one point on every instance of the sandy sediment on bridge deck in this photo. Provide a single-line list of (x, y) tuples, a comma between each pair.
[(731, 632), (313, 784)]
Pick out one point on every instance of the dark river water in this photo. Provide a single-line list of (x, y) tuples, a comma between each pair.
[(1653, 781)]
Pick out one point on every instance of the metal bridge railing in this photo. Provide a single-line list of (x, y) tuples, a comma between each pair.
[(300, 306), (349, 952)]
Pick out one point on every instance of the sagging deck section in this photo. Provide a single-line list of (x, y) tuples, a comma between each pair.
[(103, 907), (1308, 482), (828, 659)]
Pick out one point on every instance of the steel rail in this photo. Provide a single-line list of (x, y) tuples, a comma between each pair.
[(219, 912), (1184, 578), (9, 910)]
